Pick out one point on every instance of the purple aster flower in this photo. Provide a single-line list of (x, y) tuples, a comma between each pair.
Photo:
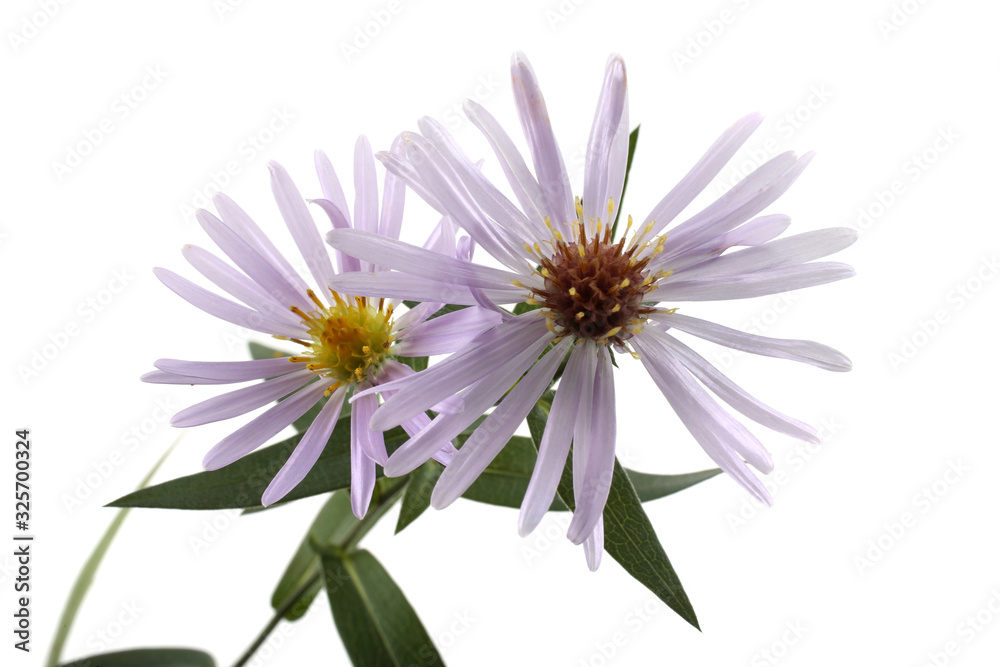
[(349, 342), (594, 294)]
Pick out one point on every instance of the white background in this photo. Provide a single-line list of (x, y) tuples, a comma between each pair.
[(872, 86)]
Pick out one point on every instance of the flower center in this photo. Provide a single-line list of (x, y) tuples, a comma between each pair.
[(349, 340), (593, 287)]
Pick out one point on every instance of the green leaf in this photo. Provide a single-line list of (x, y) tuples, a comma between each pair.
[(522, 308), (629, 537), (633, 139), (417, 497), (375, 621), (333, 522), (147, 657), (241, 484), (86, 577)]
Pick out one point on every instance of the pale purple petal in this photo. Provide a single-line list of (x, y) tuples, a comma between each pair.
[(521, 180), (591, 491), (330, 185), (307, 451), (223, 308), (240, 222), (556, 439), (731, 393), (229, 371), (339, 221), (362, 480), (418, 262), (240, 401), (446, 333), (255, 433), (694, 408), (479, 397), (261, 269), (159, 377), (398, 285), (372, 443), (748, 285), (702, 173), (607, 120), (365, 192), (393, 198), (593, 546), (393, 370), (496, 430), (490, 350), (301, 225), (756, 231), (548, 161)]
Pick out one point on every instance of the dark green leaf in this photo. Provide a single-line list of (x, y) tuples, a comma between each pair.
[(633, 139), (375, 621), (241, 484), (629, 537), (147, 657), (505, 480), (521, 308), (417, 497), (332, 523)]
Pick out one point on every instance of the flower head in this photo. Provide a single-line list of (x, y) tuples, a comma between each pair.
[(595, 296), (348, 343)]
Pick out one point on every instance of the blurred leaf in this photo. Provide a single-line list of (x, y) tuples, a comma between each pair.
[(241, 483), (521, 308), (147, 657), (633, 139), (86, 576), (629, 537), (334, 520), (417, 497), (375, 621)]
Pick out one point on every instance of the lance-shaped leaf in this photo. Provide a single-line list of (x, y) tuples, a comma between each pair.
[(147, 657), (417, 497), (241, 483), (375, 621), (629, 537)]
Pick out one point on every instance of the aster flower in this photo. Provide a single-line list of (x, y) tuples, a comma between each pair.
[(349, 342), (593, 294)]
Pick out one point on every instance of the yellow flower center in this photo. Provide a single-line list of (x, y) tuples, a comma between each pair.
[(350, 340)]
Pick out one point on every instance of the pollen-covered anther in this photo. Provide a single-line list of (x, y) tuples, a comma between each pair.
[(593, 288), (349, 340)]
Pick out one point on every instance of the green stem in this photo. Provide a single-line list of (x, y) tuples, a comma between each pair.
[(382, 505), (278, 615)]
